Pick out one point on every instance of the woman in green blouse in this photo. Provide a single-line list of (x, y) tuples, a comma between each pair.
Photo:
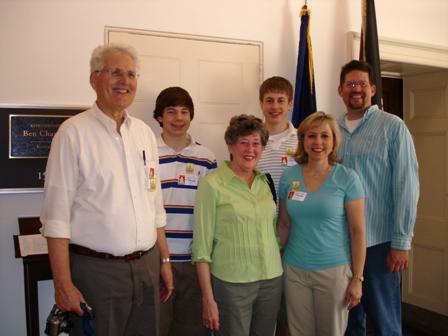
[(234, 244)]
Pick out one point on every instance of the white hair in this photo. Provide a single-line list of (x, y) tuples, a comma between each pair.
[(98, 54)]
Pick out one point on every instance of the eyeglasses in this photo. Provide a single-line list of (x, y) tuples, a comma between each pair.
[(353, 84), (119, 73)]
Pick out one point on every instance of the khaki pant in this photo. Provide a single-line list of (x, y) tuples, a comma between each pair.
[(315, 300)]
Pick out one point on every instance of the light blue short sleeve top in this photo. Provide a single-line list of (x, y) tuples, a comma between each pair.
[(319, 237)]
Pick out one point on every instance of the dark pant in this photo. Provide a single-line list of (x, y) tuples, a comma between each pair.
[(182, 314), (124, 295), (381, 300)]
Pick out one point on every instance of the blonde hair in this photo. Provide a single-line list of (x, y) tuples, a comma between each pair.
[(313, 120)]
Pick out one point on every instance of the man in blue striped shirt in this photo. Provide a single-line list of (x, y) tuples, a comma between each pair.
[(379, 147)]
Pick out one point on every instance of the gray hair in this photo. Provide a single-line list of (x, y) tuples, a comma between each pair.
[(98, 54)]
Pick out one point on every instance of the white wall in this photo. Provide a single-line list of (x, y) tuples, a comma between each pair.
[(45, 47)]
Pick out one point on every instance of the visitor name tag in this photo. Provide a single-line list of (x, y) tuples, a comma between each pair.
[(287, 161), (188, 180), (151, 177), (298, 196)]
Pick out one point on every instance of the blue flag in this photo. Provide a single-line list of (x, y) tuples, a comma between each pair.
[(304, 93), (369, 50)]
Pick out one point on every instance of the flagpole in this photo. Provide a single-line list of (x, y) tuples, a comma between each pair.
[(304, 91)]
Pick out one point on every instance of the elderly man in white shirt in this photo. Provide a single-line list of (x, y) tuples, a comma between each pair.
[(103, 213)]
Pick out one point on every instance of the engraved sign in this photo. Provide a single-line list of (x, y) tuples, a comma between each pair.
[(25, 140), (30, 136)]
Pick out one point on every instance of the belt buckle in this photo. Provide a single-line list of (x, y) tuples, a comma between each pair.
[(132, 256)]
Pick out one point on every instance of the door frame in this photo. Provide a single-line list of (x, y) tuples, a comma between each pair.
[(402, 51)]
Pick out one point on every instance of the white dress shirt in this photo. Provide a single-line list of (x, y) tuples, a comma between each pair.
[(98, 191)]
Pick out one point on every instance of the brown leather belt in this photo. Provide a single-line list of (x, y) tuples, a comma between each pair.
[(85, 251)]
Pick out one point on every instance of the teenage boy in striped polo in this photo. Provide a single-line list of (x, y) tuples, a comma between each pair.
[(182, 163), (275, 102)]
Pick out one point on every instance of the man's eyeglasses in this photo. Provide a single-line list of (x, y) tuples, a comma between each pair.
[(119, 73), (353, 84)]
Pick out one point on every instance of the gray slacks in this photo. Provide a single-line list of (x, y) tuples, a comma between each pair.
[(124, 295), (247, 308), (182, 314)]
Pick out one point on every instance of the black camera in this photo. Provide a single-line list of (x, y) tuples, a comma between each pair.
[(58, 322)]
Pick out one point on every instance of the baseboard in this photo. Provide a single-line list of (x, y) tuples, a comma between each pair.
[(423, 321)]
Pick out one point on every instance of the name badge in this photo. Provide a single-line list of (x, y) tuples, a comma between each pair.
[(284, 160), (187, 179), (151, 179), (291, 162), (298, 196)]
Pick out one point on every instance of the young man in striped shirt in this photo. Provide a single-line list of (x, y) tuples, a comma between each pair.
[(183, 162), (275, 102)]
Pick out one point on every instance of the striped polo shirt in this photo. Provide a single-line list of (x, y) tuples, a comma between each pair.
[(179, 176), (278, 154)]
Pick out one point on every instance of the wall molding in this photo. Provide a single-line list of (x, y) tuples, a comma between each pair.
[(403, 51)]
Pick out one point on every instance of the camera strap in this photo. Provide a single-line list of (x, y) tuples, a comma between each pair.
[(86, 317)]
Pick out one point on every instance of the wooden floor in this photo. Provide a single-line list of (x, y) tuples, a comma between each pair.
[(416, 322)]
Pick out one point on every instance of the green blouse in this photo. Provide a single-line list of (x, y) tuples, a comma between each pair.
[(233, 229)]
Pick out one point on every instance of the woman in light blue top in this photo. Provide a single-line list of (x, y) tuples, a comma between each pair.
[(321, 225)]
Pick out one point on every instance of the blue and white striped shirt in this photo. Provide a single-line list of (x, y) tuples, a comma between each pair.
[(382, 152), (194, 161)]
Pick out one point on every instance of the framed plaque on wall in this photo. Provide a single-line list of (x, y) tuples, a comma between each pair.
[(25, 139)]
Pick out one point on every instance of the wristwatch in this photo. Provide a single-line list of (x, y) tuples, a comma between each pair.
[(358, 277), (165, 260)]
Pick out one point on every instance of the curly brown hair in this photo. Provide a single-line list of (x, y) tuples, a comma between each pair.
[(245, 124)]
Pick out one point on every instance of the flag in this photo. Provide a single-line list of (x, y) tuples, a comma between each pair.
[(304, 93), (369, 50)]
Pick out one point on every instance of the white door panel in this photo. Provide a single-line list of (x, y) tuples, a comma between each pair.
[(425, 284)]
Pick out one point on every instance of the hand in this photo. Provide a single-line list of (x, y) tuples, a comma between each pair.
[(353, 293), (397, 260), (167, 282), (68, 298), (210, 314)]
